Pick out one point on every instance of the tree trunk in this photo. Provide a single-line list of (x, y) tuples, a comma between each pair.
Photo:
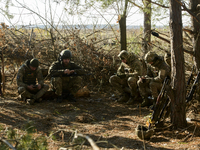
[(147, 26), (122, 24), (178, 114), (196, 36)]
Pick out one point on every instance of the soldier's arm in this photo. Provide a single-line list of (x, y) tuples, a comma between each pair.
[(161, 75), (20, 76), (77, 69), (39, 77), (121, 71), (55, 71), (137, 69)]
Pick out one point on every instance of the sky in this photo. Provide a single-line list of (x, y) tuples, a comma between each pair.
[(42, 12)]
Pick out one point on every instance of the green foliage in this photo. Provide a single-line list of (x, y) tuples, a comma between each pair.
[(3, 147), (25, 140), (5, 10)]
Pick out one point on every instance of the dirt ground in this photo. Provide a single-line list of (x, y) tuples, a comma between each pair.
[(98, 116)]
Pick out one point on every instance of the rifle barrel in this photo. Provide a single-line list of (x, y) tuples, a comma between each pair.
[(193, 88)]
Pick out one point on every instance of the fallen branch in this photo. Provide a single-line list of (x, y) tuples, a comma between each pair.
[(7, 143), (92, 143), (168, 41)]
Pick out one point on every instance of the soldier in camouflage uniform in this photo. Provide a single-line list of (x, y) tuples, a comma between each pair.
[(127, 75), (63, 76), (163, 71), (26, 80)]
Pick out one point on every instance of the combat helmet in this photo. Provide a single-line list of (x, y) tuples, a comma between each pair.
[(34, 62), (65, 54), (123, 55), (151, 57), (143, 133)]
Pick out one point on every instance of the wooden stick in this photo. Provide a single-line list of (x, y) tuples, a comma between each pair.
[(7, 143)]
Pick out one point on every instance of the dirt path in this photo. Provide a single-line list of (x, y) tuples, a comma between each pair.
[(97, 116)]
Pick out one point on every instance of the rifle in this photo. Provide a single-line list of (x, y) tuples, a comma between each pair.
[(68, 75), (161, 104), (193, 88)]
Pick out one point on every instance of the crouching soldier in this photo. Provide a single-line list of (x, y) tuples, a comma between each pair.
[(28, 89), (125, 81), (163, 71), (64, 79)]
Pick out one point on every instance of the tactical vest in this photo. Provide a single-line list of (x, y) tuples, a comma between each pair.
[(29, 77)]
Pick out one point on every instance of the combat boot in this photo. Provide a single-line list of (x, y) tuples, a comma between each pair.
[(30, 101), (124, 98), (21, 98)]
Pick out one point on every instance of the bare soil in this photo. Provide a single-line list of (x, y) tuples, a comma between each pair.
[(98, 116)]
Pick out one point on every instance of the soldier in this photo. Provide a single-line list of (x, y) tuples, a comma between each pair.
[(127, 75), (26, 80), (163, 71), (62, 80)]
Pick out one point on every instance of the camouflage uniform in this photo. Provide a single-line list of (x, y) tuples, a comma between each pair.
[(127, 75), (25, 77), (144, 85), (60, 82), (163, 71)]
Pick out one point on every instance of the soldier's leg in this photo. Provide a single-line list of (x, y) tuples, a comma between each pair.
[(121, 86), (74, 84), (144, 90), (41, 92), (56, 83), (118, 83), (24, 93), (132, 83), (155, 89)]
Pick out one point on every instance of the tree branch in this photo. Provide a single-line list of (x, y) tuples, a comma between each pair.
[(168, 41), (92, 143), (163, 6), (7, 143), (136, 5), (188, 10)]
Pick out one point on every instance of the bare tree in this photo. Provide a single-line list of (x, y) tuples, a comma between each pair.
[(178, 114), (147, 25)]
